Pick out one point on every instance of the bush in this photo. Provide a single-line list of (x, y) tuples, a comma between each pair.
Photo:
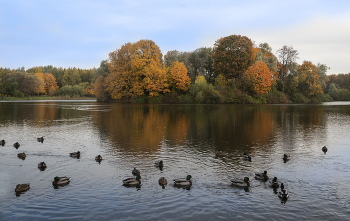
[(75, 91), (169, 98), (155, 99), (325, 98), (276, 97), (300, 99), (139, 99), (19, 94)]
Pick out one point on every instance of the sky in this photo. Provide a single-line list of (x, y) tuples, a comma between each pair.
[(81, 33)]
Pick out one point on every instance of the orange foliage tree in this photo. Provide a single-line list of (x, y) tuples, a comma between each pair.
[(136, 69), (177, 77), (42, 86), (258, 78), (308, 80)]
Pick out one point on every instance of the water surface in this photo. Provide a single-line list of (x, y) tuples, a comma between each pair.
[(186, 138)]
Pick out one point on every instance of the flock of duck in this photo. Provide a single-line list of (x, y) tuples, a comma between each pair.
[(182, 182)]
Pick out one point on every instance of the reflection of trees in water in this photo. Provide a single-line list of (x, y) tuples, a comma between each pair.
[(142, 126), (222, 127)]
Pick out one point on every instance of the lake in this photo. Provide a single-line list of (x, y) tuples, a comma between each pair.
[(185, 138)]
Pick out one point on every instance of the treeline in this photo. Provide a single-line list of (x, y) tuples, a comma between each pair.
[(234, 70), (46, 80)]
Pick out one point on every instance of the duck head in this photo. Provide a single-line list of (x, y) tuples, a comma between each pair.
[(246, 179), (138, 177), (275, 179), (189, 177)]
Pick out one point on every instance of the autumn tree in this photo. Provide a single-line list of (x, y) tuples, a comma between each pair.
[(287, 56), (232, 55), (42, 87), (50, 84), (102, 70), (308, 80), (177, 77), (28, 83), (265, 55), (136, 69), (258, 78)]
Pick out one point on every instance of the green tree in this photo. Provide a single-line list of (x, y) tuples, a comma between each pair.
[(71, 77), (232, 55), (287, 56), (10, 86), (202, 63)]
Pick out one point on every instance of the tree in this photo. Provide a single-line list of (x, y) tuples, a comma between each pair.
[(28, 83), (177, 77), (10, 86), (287, 56), (100, 89), (202, 63), (71, 77), (309, 82), (42, 87), (102, 70), (136, 69), (322, 71), (258, 78), (50, 84), (232, 55), (267, 57)]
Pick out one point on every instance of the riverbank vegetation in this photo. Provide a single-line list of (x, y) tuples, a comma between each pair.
[(234, 70)]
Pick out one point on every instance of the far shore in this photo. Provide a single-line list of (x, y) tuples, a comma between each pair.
[(4, 98)]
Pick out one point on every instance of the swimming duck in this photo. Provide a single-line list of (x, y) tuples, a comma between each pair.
[(16, 145), (183, 181), (98, 158), (21, 155), (274, 183), (135, 172), (132, 181), (241, 183), (262, 176), (75, 154), (22, 187), (40, 139), (220, 154), (60, 181), (162, 181), (2, 142), (324, 149), (283, 194), (286, 157), (41, 165), (159, 164), (247, 157)]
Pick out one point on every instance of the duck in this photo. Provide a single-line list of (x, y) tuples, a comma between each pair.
[(159, 164), (324, 149), (16, 145), (274, 183), (60, 181), (283, 194), (40, 139), (21, 155), (286, 157), (22, 187), (98, 158), (183, 181), (220, 154), (262, 176), (75, 154), (162, 181), (2, 142), (241, 183), (42, 165), (135, 172), (132, 181), (247, 157)]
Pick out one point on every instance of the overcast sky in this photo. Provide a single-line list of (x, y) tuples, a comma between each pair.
[(81, 33)]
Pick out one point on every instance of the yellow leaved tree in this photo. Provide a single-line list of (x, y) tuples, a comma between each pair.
[(177, 77), (136, 69)]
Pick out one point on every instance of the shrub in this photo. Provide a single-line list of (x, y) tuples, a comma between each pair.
[(139, 99), (299, 98)]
